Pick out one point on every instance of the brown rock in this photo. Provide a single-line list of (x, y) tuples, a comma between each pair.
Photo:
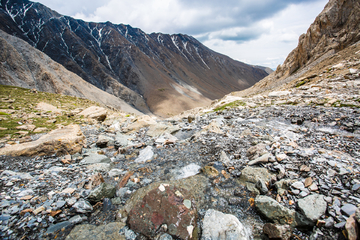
[(352, 228), (94, 112), (27, 127), (308, 182), (67, 140), (275, 231), (168, 205)]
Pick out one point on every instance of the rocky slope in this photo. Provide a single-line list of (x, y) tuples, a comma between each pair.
[(24, 66), (279, 166), (171, 73), (334, 29)]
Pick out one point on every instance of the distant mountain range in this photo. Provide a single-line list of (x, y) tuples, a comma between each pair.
[(158, 73)]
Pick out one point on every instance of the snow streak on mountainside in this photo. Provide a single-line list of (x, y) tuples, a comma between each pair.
[(146, 70)]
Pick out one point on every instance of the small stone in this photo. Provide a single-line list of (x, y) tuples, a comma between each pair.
[(308, 182), (281, 157), (187, 203), (313, 187), (210, 171), (57, 227), (82, 206), (298, 185), (39, 210), (76, 219)]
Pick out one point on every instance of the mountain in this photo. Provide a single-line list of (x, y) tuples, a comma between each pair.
[(334, 29), (24, 66), (165, 73)]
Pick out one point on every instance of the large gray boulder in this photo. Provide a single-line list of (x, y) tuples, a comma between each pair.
[(217, 225), (313, 206)]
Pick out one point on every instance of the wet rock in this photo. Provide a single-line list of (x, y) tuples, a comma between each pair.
[(66, 140), (275, 231), (217, 225), (313, 206), (94, 112), (109, 231), (104, 190), (164, 205)]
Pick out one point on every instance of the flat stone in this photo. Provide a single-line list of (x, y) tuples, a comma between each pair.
[(57, 227), (313, 206), (103, 167), (348, 209), (253, 174), (66, 140), (109, 231), (95, 158), (217, 225), (298, 185), (145, 155)]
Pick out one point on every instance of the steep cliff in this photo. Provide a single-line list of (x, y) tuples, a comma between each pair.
[(334, 29)]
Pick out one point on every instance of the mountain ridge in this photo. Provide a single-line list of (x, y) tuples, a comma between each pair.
[(146, 70)]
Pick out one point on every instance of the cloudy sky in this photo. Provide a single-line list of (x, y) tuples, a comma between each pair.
[(259, 32)]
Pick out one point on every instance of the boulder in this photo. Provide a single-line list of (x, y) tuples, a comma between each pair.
[(217, 225), (109, 231), (94, 112), (279, 214), (312, 206), (168, 205), (46, 107), (254, 174), (62, 141)]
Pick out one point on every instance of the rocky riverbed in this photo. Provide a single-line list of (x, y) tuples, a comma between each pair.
[(282, 166)]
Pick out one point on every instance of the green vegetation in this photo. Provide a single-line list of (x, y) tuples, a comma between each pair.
[(302, 83), (230, 105), (21, 104), (161, 89)]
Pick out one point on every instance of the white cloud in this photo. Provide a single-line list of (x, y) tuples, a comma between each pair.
[(272, 47)]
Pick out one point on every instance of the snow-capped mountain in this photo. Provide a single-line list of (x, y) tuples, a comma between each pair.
[(165, 73)]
